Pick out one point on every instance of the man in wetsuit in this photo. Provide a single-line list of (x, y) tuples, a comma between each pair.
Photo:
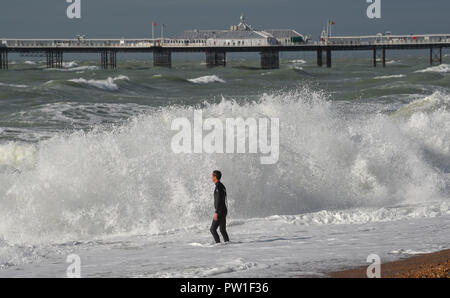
[(220, 196)]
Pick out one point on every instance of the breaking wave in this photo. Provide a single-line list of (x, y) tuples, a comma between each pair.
[(206, 80), (108, 84), (13, 85), (392, 62), (364, 215), (390, 77), (443, 68), (126, 180), (298, 61), (70, 64), (73, 66), (83, 68)]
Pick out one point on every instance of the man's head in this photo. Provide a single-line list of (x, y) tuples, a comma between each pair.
[(216, 176)]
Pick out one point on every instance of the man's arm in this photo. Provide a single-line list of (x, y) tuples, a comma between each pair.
[(221, 199), (216, 202)]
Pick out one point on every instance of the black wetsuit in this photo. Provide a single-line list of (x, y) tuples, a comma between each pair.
[(220, 196)]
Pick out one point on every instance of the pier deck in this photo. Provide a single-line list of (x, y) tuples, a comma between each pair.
[(162, 49)]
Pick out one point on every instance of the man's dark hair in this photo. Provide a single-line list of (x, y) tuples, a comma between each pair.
[(217, 174)]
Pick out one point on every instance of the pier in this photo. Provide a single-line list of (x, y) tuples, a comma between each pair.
[(162, 50), (217, 43)]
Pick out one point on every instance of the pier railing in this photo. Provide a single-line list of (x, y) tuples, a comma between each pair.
[(223, 43), (74, 43), (216, 48), (387, 40)]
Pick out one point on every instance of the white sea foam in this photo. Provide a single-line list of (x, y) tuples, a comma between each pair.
[(392, 62), (126, 180), (13, 85), (11, 255), (390, 77), (237, 265), (365, 215), (17, 155), (206, 80), (84, 68), (108, 84), (70, 64), (411, 252), (298, 61), (72, 67), (428, 121), (443, 68)]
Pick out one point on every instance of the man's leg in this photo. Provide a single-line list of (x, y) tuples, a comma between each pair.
[(223, 228), (213, 229)]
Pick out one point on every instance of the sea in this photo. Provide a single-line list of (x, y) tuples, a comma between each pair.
[(87, 167)]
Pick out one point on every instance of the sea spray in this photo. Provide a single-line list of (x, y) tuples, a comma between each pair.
[(127, 180)]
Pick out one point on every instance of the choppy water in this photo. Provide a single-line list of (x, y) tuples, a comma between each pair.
[(36, 102), (85, 153)]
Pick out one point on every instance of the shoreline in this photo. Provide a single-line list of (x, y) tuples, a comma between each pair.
[(431, 265)]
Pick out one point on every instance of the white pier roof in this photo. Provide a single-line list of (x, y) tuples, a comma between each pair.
[(241, 31), (219, 34)]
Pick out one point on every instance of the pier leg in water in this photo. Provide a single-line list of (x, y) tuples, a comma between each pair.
[(374, 57), (329, 58), (54, 59), (270, 59), (59, 60), (113, 59), (377, 55), (214, 58), (104, 59), (319, 57), (435, 56), (3, 59), (162, 58), (49, 59)]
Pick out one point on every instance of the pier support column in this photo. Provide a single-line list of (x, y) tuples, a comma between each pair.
[(104, 59), (375, 57), (319, 57), (435, 56), (113, 59), (214, 58), (108, 59), (54, 59), (329, 58), (379, 54), (270, 59), (60, 59), (3, 59), (162, 58)]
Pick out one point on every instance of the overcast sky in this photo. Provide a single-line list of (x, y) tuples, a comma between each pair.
[(132, 18)]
